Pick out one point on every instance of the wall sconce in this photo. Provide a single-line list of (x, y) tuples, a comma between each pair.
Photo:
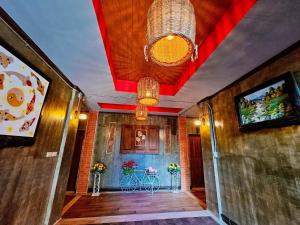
[(202, 121), (82, 116), (197, 122)]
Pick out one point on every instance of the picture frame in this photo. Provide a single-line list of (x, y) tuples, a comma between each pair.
[(31, 118), (110, 142), (140, 138), (272, 104)]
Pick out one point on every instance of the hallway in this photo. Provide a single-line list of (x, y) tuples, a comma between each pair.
[(149, 112)]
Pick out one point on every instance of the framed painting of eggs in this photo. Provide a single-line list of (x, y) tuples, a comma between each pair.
[(22, 94)]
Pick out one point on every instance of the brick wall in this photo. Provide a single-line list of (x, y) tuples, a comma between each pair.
[(184, 154), (87, 153)]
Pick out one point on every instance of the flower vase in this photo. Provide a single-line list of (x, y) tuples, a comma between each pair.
[(97, 183), (175, 179)]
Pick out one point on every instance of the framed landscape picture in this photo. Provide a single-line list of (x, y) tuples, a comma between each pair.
[(22, 94), (273, 104)]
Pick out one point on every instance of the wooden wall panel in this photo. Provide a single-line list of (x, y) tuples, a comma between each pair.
[(153, 138), (114, 161), (127, 140), (259, 170), (150, 145), (61, 188), (25, 172)]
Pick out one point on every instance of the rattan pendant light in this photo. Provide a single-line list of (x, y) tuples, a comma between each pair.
[(148, 91), (141, 112), (171, 31)]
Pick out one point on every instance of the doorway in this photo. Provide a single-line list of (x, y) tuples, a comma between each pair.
[(196, 161), (75, 161), (196, 169)]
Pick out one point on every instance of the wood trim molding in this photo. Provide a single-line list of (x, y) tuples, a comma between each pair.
[(70, 204)]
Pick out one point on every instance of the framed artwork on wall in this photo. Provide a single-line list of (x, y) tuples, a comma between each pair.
[(273, 104), (111, 137), (140, 137), (23, 92)]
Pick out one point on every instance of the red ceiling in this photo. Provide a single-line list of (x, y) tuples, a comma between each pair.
[(229, 19), (133, 107)]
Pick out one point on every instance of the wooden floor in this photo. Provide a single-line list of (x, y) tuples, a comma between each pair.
[(68, 198), (177, 221), (199, 193), (112, 204)]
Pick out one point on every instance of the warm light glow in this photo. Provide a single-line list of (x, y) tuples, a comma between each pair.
[(197, 122), (141, 112), (171, 51), (219, 124), (171, 32), (170, 37), (148, 91), (82, 116)]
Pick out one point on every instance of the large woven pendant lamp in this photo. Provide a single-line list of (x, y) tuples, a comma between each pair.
[(148, 91), (141, 112), (171, 31)]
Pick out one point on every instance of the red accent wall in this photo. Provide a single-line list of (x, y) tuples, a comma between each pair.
[(133, 107)]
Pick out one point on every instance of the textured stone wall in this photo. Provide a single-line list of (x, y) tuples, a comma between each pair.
[(259, 170)]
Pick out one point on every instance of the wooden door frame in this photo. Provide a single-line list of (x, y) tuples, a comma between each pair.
[(195, 135)]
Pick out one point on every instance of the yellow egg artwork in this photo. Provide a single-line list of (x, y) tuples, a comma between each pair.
[(15, 97), (22, 94)]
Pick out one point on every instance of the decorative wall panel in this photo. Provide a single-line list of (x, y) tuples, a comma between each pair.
[(140, 139), (167, 139), (111, 179), (111, 137)]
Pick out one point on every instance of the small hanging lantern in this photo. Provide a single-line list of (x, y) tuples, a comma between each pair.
[(171, 31), (148, 91), (141, 112)]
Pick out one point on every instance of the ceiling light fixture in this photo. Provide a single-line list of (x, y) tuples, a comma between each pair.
[(141, 112), (171, 31), (148, 91)]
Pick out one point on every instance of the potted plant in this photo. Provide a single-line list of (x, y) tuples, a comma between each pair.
[(98, 168), (173, 168), (151, 170), (128, 167)]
